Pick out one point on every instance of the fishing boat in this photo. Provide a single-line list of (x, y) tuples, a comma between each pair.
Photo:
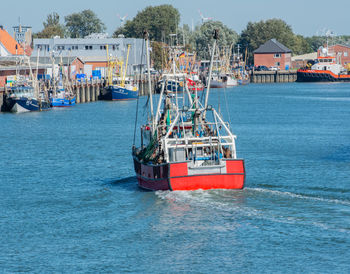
[(62, 98), (223, 81), (186, 144), (194, 83), (23, 98), (26, 94), (61, 95), (327, 68), (119, 88)]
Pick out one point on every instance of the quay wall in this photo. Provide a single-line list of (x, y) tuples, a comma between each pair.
[(88, 91), (280, 76)]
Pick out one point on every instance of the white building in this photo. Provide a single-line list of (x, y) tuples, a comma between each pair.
[(93, 46)]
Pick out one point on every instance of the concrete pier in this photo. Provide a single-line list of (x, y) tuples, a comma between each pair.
[(281, 76)]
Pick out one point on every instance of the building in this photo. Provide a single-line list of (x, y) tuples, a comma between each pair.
[(8, 45), (70, 65), (300, 61), (23, 35), (92, 50), (273, 54), (10, 68)]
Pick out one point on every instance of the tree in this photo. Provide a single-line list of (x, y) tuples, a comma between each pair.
[(258, 33), (159, 55), (159, 21), (204, 37), (83, 23), (52, 27)]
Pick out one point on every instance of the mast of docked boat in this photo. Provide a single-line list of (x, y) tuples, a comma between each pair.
[(149, 79), (53, 74), (215, 36), (126, 66)]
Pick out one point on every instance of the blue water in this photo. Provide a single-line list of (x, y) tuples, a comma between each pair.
[(69, 200)]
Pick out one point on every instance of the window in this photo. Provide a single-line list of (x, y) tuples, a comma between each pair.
[(345, 54), (277, 55), (102, 47), (88, 47), (277, 64), (74, 47)]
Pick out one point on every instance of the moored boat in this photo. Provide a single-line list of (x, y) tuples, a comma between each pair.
[(62, 98), (186, 145), (22, 98), (326, 69), (119, 88)]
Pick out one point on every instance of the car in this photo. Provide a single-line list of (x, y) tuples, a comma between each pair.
[(274, 68), (261, 68)]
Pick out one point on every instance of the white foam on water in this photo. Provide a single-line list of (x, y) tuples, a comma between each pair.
[(335, 99), (227, 201), (299, 196)]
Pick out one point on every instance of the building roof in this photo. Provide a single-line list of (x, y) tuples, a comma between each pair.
[(58, 59), (305, 57), (10, 43), (93, 58), (11, 63), (272, 46)]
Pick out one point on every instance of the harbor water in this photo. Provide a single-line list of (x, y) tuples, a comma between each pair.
[(69, 200)]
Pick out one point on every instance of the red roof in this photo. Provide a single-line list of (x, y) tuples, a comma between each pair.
[(10, 43)]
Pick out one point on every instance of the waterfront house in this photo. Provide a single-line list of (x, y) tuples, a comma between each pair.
[(273, 54)]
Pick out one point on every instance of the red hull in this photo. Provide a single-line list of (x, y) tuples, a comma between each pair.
[(176, 176)]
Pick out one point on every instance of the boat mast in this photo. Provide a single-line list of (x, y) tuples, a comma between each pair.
[(216, 34), (149, 79), (126, 66)]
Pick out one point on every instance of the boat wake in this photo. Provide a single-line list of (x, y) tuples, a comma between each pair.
[(258, 206), (299, 196)]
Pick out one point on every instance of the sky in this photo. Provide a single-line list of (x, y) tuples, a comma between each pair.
[(306, 17)]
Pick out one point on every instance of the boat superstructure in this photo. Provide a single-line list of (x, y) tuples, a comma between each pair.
[(61, 93), (186, 145)]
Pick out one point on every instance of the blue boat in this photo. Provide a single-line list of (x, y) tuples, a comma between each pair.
[(116, 93), (22, 99), (61, 98), (119, 88)]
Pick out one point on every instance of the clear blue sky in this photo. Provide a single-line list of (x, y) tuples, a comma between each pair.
[(306, 17)]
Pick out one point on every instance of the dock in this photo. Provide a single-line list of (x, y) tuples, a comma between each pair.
[(280, 76), (90, 91)]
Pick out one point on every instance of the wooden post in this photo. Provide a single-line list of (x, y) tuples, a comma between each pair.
[(77, 94), (82, 89)]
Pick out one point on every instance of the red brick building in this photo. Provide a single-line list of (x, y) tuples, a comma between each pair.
[(273, 54)]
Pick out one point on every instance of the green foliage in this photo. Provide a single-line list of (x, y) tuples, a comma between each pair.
[(316, 42), (159, 21), (83, 23), (203, 37), (52, 27), (256, 34), (301, 45), (159, 55)]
